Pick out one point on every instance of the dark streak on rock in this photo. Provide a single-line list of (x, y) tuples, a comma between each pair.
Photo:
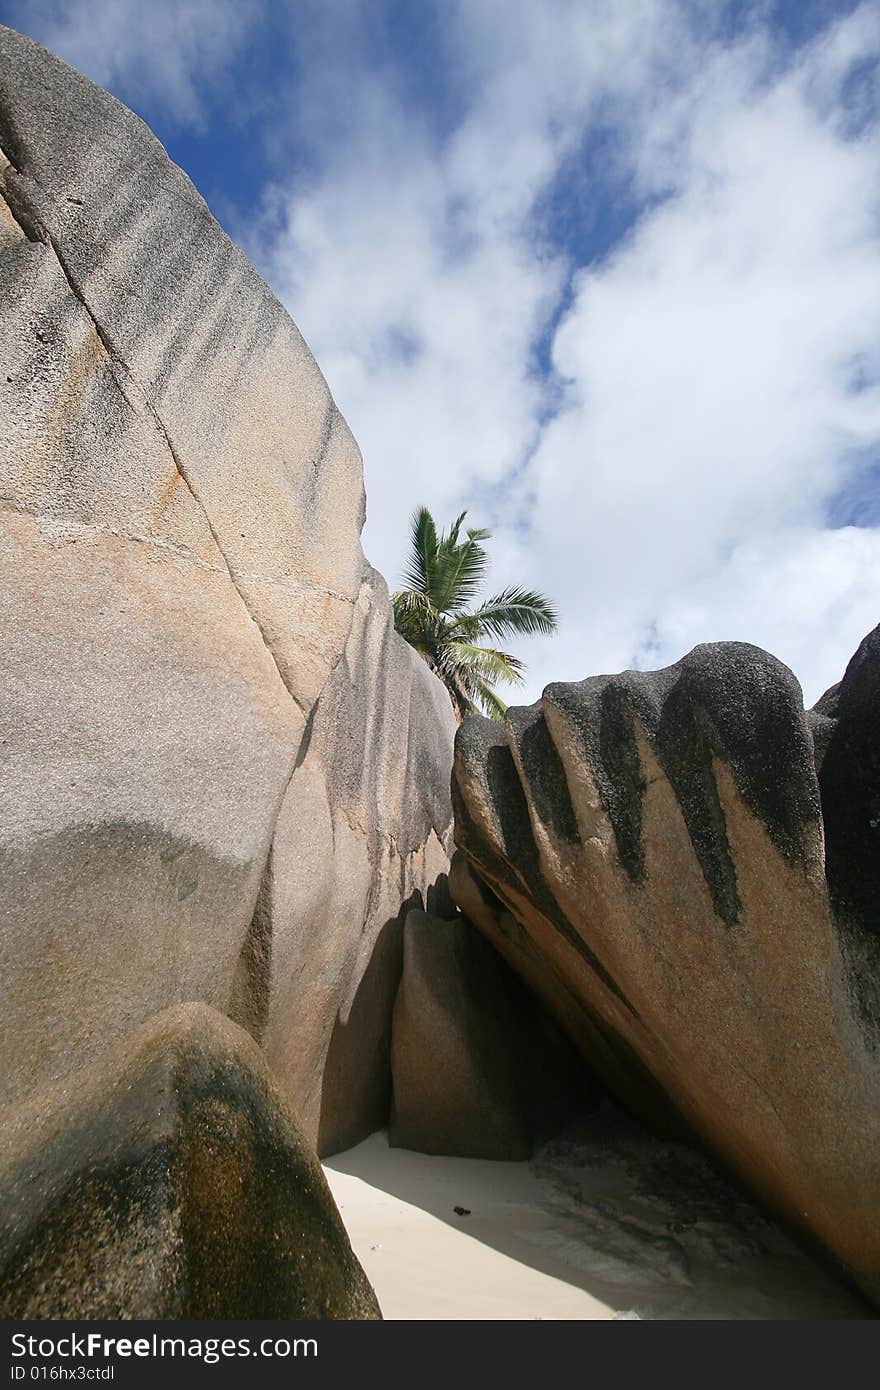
[(543, 771), (517, 856), (728, 701)]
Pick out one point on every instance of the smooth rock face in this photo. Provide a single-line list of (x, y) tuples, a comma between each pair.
[(200, 350), (169, 1180), (479, 1070), (364, 828), (647, 851), (198, 797)]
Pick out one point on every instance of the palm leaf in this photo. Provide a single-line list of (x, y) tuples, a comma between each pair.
[(461, 570), (421, 567), (481, 663), (492, 703), (416, 619), (452, 538), (514, 610), (442, 578)]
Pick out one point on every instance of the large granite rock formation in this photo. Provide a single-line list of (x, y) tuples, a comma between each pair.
[(221, 773), (169, 1180), (479, 1069), (647, 851), (362, 834)]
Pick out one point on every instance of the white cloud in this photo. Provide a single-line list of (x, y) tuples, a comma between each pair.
[(679, 492), (672, 483), (807, 596), (710, 415), (410, 262), (159, 52)]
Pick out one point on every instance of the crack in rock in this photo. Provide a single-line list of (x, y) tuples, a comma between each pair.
[(35, 230)]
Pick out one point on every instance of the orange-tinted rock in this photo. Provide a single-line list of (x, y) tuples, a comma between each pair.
[(224, 778), (647, 851)]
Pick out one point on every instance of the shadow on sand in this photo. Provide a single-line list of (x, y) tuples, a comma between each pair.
[(647, 1227)]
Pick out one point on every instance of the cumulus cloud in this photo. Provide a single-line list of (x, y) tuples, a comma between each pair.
[(609, 275), (162, 54), (409, 258), (721, 377), (713, 386)]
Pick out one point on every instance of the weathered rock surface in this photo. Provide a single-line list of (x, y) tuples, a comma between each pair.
[(169, 1180), (221, 773), (364, 828), (173, 338), (478, 1067), (647, 851)]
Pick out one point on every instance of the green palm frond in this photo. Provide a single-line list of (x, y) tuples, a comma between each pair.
[(416, 619), (492, 703), (421, 568), (442, 578), (460, 573), (483, 663), (514, 610), (451, 537)]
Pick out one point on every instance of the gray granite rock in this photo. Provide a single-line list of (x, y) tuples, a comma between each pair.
[(223, 776), (363, 834), (201, 355)]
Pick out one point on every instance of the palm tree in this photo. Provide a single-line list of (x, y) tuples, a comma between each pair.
[(434, 614)]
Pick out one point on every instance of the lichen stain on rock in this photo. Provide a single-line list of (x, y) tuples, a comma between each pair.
[(698, 882), (169, 1180)]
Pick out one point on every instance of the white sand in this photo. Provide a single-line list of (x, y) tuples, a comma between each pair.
[(605, 1223), (426, 1262)]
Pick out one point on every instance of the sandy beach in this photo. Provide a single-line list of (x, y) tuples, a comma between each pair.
[(425, 1261), (604, 1223)]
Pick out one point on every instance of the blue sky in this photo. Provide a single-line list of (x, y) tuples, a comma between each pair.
[(606, 273)]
